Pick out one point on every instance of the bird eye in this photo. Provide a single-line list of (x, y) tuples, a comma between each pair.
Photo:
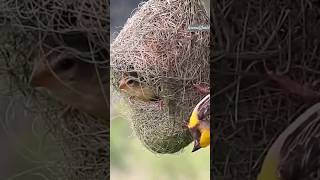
[(130, 81), (65, 64)]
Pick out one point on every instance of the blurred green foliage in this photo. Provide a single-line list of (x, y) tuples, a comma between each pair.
[(130, 160)]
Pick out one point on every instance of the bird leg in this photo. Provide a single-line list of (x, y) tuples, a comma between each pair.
[(202, 88)]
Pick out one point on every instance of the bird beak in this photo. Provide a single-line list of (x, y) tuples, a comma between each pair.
[(196, 146), (40, 76), (122, 84)]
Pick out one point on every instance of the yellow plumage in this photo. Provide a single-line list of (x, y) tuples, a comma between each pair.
[(199, 128), (205, 137), (193, 120), (270, 168)]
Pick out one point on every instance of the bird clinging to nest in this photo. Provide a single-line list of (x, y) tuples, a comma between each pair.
[(72, 81), (198, 126), (295, 153)]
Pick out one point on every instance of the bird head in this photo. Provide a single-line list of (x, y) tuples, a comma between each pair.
[(198, 126), (67, 59), (71, 80), (58, 67), (127, 82), (201, 135)]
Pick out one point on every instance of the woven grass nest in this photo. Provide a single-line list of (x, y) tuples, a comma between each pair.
[(156, 44)]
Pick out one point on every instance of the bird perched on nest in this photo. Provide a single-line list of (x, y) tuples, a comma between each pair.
[(134, 87), (72, 81), (295, 153), (198, 126)]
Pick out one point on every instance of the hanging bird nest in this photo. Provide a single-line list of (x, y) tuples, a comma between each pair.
[(25, 26), (156, 44), (253, 106)]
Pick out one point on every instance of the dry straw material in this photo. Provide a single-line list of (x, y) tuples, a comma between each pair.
[(156, 43)]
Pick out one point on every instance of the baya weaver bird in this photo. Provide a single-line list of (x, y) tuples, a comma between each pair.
[(71, 80), (295, 155), (135, 88), (198, 126)]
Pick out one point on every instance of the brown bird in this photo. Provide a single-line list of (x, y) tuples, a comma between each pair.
[(72, 81), (135, 88)]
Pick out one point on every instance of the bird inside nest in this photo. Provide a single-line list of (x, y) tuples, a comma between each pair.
[(135, 87), (72, 81)]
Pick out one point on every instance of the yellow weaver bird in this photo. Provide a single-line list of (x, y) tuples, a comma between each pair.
[(198, 126), (295, 153)]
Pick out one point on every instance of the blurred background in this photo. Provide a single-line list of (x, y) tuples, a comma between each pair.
[(130, 160)]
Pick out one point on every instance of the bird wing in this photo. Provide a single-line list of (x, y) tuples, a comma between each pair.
[(147, 94), (269, 170), (301, 149), (204, 107)]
